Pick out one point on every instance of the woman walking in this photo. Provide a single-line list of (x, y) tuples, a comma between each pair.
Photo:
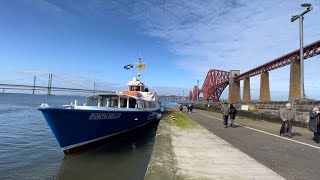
[(314, 125), (233, 113), (180, 107)]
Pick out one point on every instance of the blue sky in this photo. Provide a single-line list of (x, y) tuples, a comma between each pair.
[(82, 42)]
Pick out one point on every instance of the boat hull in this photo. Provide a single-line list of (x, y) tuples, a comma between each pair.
[(74, 128)]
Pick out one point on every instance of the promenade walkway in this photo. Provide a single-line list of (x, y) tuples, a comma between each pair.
[(196, 153)]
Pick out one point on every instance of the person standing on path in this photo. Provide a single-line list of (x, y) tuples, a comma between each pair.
[(191, 107), (314, 124), (287, 115), (225, 112), (233, 112), (180, 107)]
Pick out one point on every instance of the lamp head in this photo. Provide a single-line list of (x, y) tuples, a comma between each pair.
[(306, 5)]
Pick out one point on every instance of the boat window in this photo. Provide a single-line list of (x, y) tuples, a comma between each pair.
[(132, 102), (105, 101), (152, 105), (92, 101), (123, 102), (136, 88), (110, 101), (147, 104), (140, 104)]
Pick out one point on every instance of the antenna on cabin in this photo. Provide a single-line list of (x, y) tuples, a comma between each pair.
[(139, 65)]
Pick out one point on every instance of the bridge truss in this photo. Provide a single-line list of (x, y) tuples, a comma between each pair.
[(217, 80)]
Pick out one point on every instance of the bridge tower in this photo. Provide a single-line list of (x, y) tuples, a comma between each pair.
[(49, 84), (246, 90), (295, 88), (264, 87), (234, 87)]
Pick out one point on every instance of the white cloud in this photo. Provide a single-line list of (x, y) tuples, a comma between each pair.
[(231, 35), (215, 34)]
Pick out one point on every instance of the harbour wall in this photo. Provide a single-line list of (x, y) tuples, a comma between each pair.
[(269, 111), (162, 164)]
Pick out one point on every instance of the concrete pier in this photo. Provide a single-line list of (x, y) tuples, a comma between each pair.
[(246, 90), (264, 87), (234, 87), (295, 73)]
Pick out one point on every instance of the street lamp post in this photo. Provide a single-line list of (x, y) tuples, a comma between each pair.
[(293, 18)]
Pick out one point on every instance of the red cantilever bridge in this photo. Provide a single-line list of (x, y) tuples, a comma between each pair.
[(217, 80)]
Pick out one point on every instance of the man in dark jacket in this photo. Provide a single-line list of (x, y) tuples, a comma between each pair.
[(191, 107), (233, 113), (225, 112), (314, 125)]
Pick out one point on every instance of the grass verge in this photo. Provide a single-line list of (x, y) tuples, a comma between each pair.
[(182, 121)]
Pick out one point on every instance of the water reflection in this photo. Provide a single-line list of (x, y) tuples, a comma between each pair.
[(125, 156)]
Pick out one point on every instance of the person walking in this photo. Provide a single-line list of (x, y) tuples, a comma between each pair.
[(288, 116), (180, 107), (225, 113), (233, 112), (191, 107), (314, 125)]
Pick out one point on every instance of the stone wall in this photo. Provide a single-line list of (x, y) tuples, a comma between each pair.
[(269, 111)]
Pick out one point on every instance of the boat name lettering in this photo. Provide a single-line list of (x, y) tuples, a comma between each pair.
[(99, 116)]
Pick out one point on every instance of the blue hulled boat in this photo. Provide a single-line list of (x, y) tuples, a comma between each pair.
[(102, 116)]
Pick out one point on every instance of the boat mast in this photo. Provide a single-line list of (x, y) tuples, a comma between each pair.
[(139, 65)]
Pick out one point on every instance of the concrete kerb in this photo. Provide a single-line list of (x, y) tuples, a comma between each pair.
[(162, 165), (199, 154)]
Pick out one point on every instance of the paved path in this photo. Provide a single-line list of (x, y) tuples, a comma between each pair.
[(203, 155), (199, 154), (295, 158)]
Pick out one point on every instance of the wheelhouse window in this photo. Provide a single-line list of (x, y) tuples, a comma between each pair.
[(134, 88)]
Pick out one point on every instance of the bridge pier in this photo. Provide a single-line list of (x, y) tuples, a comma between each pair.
[(234, 87), (295, 73), (246, 90), (264, 87)]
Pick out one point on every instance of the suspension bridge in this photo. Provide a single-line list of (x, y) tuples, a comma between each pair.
[(45, 89)]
